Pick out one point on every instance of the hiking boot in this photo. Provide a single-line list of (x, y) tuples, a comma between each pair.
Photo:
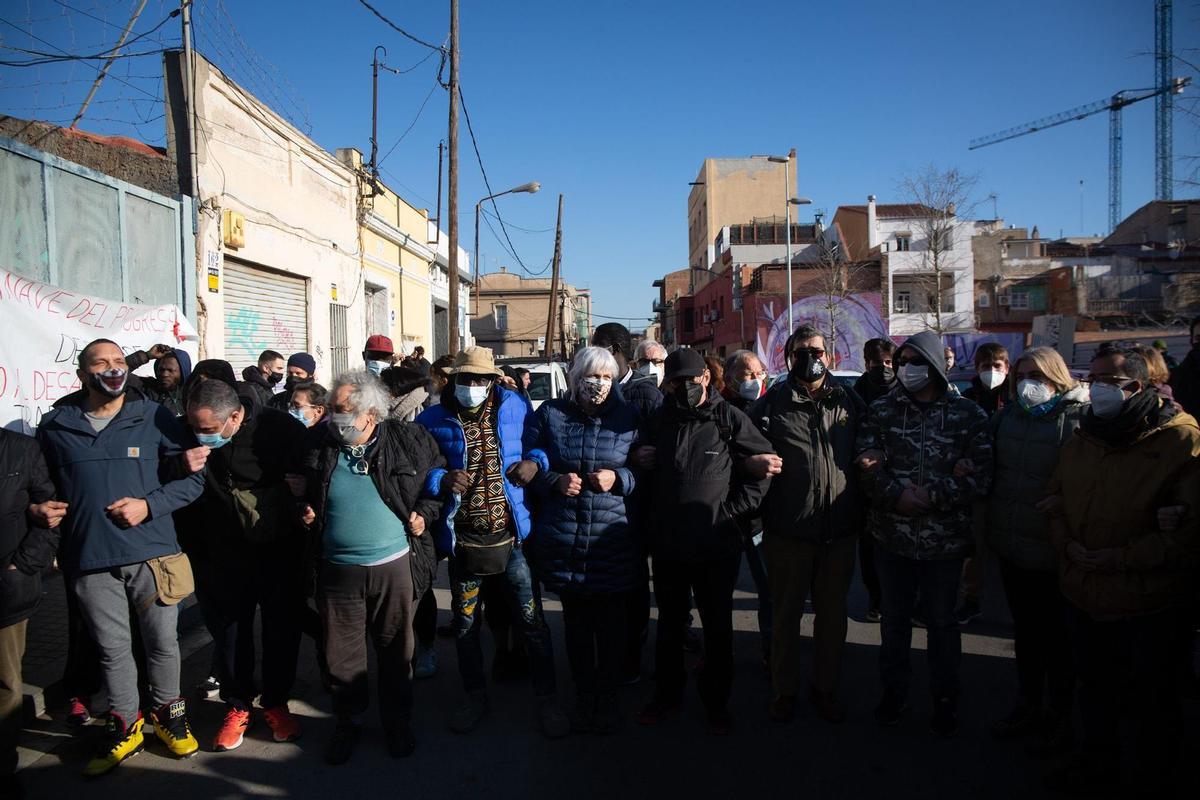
[(608, 714), (341, 744), (1055, 738), (890, 710), (552, 722), (827, 706), (656, 711), (233, 729), (118, 743), (1022, 720), (583, 716), (720, 723), (77, 712), (968, 611), (425, 665), (944, 722), (783, 708), (284, 725), (208, 688), (400, 741), (472, 712), (171, 726)]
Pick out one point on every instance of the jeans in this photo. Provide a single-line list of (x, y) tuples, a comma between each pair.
[(1119, 658), (105, 600), (254, 576), (516, 588), (356, 602), (802, 568), (12, 695), (1041, 637), (594, 626), (712, 583), (866, 565), (756, 561), (937, 582)]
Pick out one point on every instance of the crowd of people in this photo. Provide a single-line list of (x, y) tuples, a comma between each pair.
[(328, 510)]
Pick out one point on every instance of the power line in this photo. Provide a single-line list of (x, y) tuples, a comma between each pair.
[(395, 71), (519, 228), (51, 58), (412, 124), (400, 30)]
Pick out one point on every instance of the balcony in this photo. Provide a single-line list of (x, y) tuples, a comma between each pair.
[(1125, 307)]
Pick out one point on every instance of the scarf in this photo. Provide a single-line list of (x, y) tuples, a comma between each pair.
[(1139, 414)]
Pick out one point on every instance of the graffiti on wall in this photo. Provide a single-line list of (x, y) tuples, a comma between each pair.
[(858, 318)]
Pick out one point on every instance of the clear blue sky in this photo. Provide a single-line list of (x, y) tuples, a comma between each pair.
[(615, 104)]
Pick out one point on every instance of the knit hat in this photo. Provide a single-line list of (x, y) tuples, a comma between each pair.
[(304, 361), (475, 361)]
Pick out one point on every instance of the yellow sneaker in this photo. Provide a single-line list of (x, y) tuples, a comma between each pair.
[(171, 726), (119, 743)]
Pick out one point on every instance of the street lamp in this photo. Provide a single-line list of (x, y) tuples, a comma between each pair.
[(789, 201), (531, 188)]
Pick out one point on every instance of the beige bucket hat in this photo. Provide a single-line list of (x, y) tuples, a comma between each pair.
[(475, 361)]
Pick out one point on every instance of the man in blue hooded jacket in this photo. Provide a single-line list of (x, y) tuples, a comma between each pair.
[(104, 452), (478, 428)]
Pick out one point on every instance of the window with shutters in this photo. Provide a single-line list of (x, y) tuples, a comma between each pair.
[(339, 343), (500, 315)]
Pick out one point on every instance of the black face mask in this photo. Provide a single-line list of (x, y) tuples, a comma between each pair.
[(882, 374), (292, 382), (688, 395), (274, 378), (806, 368)]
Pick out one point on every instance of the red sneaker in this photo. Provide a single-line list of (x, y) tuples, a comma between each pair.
[(233, 729), (77, 712), (285, 727)]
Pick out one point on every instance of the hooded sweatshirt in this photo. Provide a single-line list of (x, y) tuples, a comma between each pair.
[(921, 443)]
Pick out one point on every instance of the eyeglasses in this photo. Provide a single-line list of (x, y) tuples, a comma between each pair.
[(1112, 380), (815, 352)]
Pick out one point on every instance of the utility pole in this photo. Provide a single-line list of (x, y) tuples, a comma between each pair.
[(452, 188), (375, 118), (554, 286)]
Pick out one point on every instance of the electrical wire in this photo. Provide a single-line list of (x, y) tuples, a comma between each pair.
[(412, 124), (518, 227), (50, 58), (395, 71), (398, 29)]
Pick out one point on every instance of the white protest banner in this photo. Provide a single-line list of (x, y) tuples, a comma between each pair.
[(43, 328)]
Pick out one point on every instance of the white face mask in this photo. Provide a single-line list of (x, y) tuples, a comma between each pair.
[(657, 370), (344, 429), (1107, 400), (914, 378), (377, 367), (751, 389), (992, 378), (1033, 393), (471, 396)]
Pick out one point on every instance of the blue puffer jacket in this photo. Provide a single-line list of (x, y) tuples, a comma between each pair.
[(442, 422), (584, 543)]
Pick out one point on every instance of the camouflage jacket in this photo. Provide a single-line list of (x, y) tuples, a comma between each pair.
[(921, 447)]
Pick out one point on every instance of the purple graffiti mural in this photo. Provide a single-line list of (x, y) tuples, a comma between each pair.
[(858, 318)]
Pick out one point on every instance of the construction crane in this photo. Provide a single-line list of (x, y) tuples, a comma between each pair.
[(1113, 106)]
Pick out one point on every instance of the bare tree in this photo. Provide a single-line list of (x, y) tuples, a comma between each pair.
[(940, 200), (836, 280)]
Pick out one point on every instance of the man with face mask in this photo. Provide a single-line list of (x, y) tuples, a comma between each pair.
[(369, 554), (701, 494), (118, 537), (812, 515), (246, 522), (1128, 579), (879, 377), (378, 354), (640, 391), (921, 518), (265, 378), (649, 358), (301, 369), (478, 427), (745, 379)]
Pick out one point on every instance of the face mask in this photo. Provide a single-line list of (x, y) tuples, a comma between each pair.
[(807, 368), (344, 430), (214, 441), (751, 389), (1033, 393), (298, 413), (914, 378), (274, 378), (471, 396), (656, 371), (376, 367), (1107, 400), (291, 382), (882, 374), (689, 395), (112, 374), (594, 390), (992, 378)]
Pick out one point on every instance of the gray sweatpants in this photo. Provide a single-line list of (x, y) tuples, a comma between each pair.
[(105, 598)]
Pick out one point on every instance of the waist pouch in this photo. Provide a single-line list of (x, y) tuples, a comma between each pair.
[(485, 554), (262, 512), (173, 577)]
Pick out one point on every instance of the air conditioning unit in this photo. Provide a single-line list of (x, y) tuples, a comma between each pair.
[(1004, 299)]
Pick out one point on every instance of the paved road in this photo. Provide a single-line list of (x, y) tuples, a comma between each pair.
[(505, 758)]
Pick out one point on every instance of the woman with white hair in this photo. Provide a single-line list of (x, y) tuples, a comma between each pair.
[(369, 553), (583, 544)]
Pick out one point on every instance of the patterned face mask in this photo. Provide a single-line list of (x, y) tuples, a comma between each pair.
[(594, 390)]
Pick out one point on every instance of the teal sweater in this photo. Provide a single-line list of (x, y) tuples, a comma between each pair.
[(359, 527)]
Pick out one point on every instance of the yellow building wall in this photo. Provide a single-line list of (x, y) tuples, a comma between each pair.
[(407, 283)]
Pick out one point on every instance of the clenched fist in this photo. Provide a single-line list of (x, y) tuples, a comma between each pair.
[(416, 524), (49, 513), (570, 484), (763, 465), (455, 481), (602, 480), (307, 515), (522, 472), (128, 512), (196, 458)]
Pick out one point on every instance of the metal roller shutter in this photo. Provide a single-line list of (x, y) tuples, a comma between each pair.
[(264, 310)]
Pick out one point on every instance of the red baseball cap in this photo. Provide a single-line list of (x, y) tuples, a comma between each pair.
[(378, 343)]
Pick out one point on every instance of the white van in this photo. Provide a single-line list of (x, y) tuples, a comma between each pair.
[(545, 380)]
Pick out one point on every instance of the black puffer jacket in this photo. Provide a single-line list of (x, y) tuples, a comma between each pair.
[(816, 498), (24, 479), (700, 495), (403, 455), (642, 392), (256, 384)]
